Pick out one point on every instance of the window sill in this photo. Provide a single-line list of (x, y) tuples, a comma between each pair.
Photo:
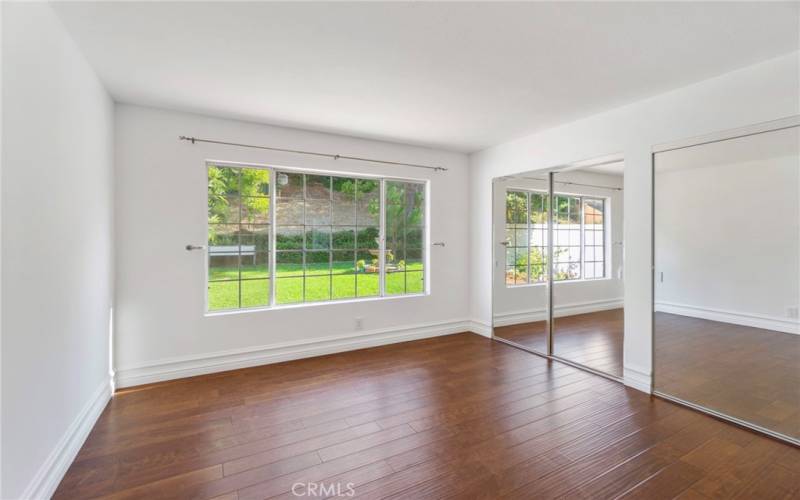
[(280, 307), (563, 282)]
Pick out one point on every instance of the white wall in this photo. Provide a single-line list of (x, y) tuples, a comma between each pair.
[(161, 329), (56, 249), (758, 93), (727, 241), (520, 304)]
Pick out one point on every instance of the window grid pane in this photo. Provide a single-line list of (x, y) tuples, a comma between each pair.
[(238, 237), (326, 237), (578, 234), (594, 237), (404, 233)]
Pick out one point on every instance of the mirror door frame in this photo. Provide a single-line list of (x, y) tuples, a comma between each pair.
[(551, 173), (755, 129)]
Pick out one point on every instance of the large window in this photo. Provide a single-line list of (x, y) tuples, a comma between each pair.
[(334, 237), (578, 237)]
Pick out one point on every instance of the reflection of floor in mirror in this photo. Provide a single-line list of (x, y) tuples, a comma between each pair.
[(592, 339), (748, 373)]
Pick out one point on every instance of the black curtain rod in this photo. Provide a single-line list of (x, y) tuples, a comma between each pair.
[(326, 155)]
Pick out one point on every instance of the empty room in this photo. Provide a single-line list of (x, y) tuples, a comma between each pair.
[(400, 250)]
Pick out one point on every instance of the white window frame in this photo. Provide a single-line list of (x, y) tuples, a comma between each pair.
[(273, 305), (606, 234)]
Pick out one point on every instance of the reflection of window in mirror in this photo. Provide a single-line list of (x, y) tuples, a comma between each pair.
[(580, 226)]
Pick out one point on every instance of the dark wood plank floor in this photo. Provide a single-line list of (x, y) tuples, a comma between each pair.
[(749, 373), (451, 417), (592, 339)]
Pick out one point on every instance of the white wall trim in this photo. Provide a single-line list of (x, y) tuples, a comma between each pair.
[(776, 323), (527, 316), (481, 328), (52, 471), (637, 378), (188, 366)]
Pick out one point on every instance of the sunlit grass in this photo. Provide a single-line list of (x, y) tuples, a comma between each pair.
[(318, 285)]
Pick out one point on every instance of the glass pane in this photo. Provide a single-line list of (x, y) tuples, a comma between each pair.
[(223, 267), (395, 283), (318, 238), (255, 293), (318, 187), (344, 286), (223, 234), (254, 182), (289, 238), (516, 207), (367, 284), (344, 201), (288, 290), (344, 238), (343, 262), (318, 263), (255, 210), (289, 211), (415, 282), (223, 295), (405, 205), (368, 206), (290, 185), (367, 238), (289, 264), (223, 187), (318, 288), (318, 212), (414, 237), (255, 265), (367, 261)]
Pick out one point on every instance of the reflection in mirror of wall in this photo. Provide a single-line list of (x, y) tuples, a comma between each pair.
[(727, 278), (587, 268)]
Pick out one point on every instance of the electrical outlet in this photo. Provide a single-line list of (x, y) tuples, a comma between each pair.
[(792, 312), (359, 323)]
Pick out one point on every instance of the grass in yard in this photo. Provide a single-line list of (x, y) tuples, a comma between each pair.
[(318, 285)]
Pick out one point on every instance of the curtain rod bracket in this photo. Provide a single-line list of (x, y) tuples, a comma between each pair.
[(313, 153)]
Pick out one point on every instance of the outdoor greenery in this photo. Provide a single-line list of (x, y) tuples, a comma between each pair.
[(316, 260), (340, 284), (524, 210)]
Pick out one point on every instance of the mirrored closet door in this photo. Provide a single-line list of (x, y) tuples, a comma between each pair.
[(727, 278), (570, 308), (520, 298), (588, 308)]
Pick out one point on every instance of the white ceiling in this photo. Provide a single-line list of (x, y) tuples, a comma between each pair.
[(460, 76)]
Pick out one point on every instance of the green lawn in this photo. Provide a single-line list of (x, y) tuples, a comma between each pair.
[(318, 285)]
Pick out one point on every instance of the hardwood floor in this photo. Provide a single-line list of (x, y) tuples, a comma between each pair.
[(452, 417), (592, 339), (749, 373)]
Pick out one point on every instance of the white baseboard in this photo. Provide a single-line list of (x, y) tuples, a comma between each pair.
[(775, 323), (481, 328), (637, 378), (188, 366), (530, 315), (52, 471)]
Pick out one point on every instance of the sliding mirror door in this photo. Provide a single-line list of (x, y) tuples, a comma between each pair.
[(727, 278), (588, 267), (519, 284)]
